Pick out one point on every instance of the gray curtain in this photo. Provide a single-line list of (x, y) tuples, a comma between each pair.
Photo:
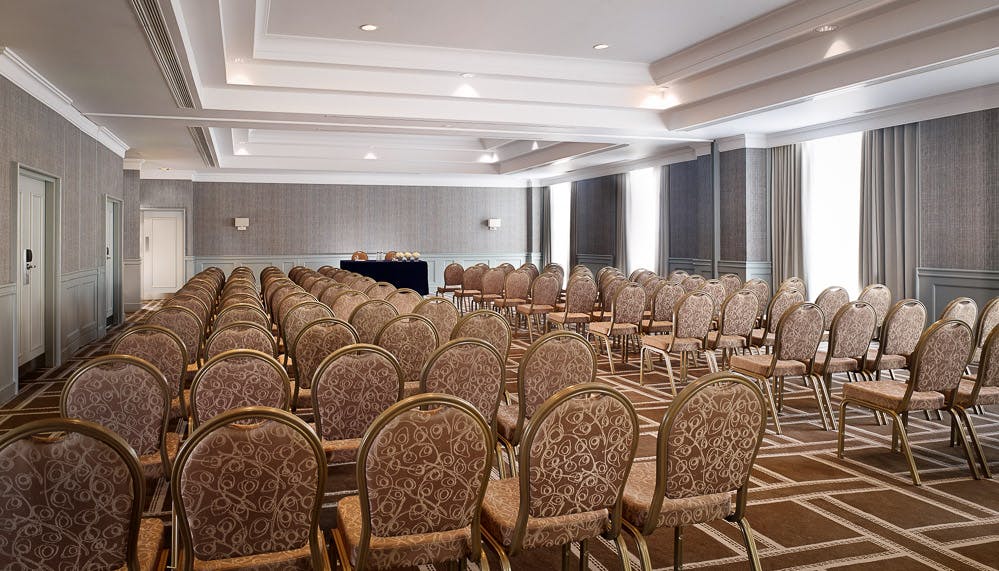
[(889, 184), (787, 248), (546, 226), (621, 238), (663, 267), (573, 210)]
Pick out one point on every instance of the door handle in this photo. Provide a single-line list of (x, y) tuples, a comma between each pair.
[(30, 266)]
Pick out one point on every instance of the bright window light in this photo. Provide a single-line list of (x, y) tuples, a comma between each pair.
[(831, 213), (558, 222), (642, 219)]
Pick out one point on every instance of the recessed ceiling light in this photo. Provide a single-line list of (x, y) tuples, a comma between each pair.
[(534, 146), (369, 27), (370, 156), (468, 75), (826, 28), (488, 158), (164, 168), (600, 46)]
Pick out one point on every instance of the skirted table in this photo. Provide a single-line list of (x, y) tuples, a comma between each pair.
[(400, 274)]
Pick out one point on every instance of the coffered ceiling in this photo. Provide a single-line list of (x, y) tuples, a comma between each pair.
[(498, 93)]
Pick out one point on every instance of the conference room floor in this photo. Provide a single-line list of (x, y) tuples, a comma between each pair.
[(809, 509)]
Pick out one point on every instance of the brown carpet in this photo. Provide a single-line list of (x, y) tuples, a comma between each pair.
[(809, 509)]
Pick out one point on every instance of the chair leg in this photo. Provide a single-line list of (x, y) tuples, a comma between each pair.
[(678, 548), (642, 356), (584, 555), (773, 405), (842, 429), (972, 464), (750, 542), (566, 556), (640, 544), (622, 551), (504, 561), (900, 431), (975, 442), (818, 399), (669, 373), (610, 356)]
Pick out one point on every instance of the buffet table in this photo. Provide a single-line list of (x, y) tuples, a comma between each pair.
[(400, 274)]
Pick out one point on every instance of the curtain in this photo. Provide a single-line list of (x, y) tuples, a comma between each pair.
[(546, 226), (621, 186), (889, 184), (785, 213), (663, 267), (573, 243)]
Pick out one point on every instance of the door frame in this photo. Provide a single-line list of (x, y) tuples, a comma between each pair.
[(116, 285), (142, 249), (53, 260)]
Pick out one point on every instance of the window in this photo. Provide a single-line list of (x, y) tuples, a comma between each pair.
[(831, 213), (560, 196), (642, 219)]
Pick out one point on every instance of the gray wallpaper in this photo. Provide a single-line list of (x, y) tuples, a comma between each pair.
[(959, 191), (170, 194), (35, 136), (745, 225), (691, 216), (131, 219), (316, 219)]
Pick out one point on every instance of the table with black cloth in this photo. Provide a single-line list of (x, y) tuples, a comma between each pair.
[(400, 274)]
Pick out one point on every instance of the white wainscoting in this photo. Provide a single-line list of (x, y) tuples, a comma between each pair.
[(746, 270), (8, 345), (131, 284), (80, 304), (692, 266), (435, 262), (935, 287)]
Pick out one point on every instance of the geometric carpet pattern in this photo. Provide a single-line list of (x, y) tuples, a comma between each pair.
[(809, 509)]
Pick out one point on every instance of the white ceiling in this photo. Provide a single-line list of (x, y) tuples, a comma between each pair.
[(293, 89)]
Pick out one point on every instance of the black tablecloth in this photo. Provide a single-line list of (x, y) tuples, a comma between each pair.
[(400, 274)]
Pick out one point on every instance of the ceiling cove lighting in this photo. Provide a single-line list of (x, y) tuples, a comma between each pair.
[(826, 28), (600, 46), (368, 28)]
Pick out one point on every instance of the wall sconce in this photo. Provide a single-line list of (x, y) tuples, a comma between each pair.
[(493, 223), (242, 223)]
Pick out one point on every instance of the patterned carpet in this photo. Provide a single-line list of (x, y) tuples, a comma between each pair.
[(809, 509)]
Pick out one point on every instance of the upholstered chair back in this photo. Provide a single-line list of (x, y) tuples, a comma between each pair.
[(851, 330), (368, 318), (692, 318), (405, 300), (879, 296), (240, 335), (379, 290), (963, 309), (545, 290), (665, 300), (941, 356), (411, 339), (315, 342), (158, 346), (235, 379), (517, 285), (470, 369), (346, 302), (762, 291), (692, 282), (190, 302), (988, 366), (441, 312), (487, 326), (236, 297), (903, 326), (783, 300), (580, 295), (453, 273), (319, 286), (829, 301), (676, 276), (611, 284), (276, 290), (554, 361), (290, 302), (987, 321), (799, 333), (492, 281), (732, 283), (629, 304), (717, 291), (183, 322), (242, 312), (738, 313), (299, 316), (471, 278), (796, 283), (352, 387), (651, 285)]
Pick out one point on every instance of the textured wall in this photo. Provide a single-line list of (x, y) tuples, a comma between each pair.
[(315, 219), (745, 224), (691, 216), (177, 194), (131, 216), (37, 137), (594, 218), (959, 191)]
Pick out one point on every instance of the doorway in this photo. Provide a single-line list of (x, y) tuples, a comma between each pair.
[(113, 308), (162, 253)]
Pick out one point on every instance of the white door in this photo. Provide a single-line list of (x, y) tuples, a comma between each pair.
[(109, 257), (162, 253), (31, 268)]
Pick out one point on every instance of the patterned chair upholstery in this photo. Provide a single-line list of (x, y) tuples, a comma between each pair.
[(129, 397), (297, 318), (735, 325), (242, 312), (516, 287), (799, 333), (677, 276), (379, 290), (580, 296), (849, 337), (716, 289), (405, 513), (988, 320), (453, 273), (607, 289), (247, 493), (626, 317), (346, 302), (784, 299), (405, 300), (879, 296), (575, 458), (794, 283), (470, 369), (351, 388), (238, 297), (900, 333), (315, 342), (277, 290), (692, 282), (471, 285), (691, 322), (830, 300), (544, 294), (980, 389), (556, 360), (164, 350), (88, 483), (492, 288), (329, 295), (196, 305), (442, 313), (369, 318), (762, 291), (235, 379), (319, 286), (663, 304), (963, 309), (732, 283), (359, 255), (185, 324), (290, 301), (937, 365), (240, 335), (705, 451), (411, 339), (487, 326)]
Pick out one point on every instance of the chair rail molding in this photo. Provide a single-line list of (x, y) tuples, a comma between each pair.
[(937, 286), (8, 345)]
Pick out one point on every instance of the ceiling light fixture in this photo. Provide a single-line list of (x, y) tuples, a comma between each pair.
[(826, 28), (534, 146), (600, 46), (164, 168), (467, 75), (488, 158), (370, 156), (369, 27)]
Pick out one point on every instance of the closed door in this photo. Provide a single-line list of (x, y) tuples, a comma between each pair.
[(31, 268), (162, 253), (109, 254)]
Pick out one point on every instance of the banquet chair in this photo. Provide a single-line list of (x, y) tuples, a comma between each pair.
[(453, 273), (319, 286), (72, 495), (900, 334), (315, 342), (879, 296), (329, 295), (626, 317), (762, 291), (664, 301), (544, 294), (389, 256), (692, 282), (368, 319), (379, 290), (796, 283), (185, 324), (963, 309), (404, 514), (732, 283), (516, 287), (470, 369), (726, 416), (192, 303), (247, 494), (471, 285), (735, 326), (441, 312), (676, 276), (937, 365), (297, 318), (988, 320), (606, 292), (346, 301), (242, 312), (556, 360), (129, 397), (849, 338), (164, 350), (411, 339), (580, 296), (980, 389), (404, 299), (235, 298), (717, 291), (240, 335), (351, 387), (830, 300), (573, 495), (486, 326), (492, 288), (359, 255), (238, 378), (799, 333), (763, 337), (691, 323)]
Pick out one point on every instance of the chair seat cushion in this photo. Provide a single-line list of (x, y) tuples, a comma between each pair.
[(986, 396), (506, 420), (760, 338), (887, 361), (662, 342), (685, 511), (411, 388), (486, 297), (149, 543), (152, 464), (448, 289), (402, 551), (600, 315), (561, 317), (726, 341), (467, 292), (509, 302), (293, 560), (889, 395), (608, 328), (657, 327), (836, 364), (760, 364), (530, 309), (499, 518)]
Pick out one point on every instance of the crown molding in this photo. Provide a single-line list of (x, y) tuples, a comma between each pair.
[(680, 155), (365, 179), (746, 141), (133, 164), (21, 74)]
